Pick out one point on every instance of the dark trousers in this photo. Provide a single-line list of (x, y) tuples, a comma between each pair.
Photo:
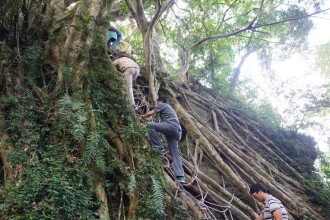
[(173, 135)]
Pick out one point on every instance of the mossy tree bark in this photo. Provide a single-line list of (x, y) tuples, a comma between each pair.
[(151, 50), (70, 147)]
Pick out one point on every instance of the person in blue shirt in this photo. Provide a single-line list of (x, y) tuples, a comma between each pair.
[(113, 37)]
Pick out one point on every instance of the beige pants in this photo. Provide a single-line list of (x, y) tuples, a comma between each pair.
[(130, 75)]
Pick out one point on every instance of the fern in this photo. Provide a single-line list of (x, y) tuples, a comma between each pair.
[(92, 147), (67, 73), (100, 163), (73, 117), (77, 106), (157, 202), (66, 103), (132, 184), (78, 131), (133, 132)]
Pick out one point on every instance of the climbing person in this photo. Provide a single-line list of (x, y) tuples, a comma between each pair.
[(273, 208), (171, 128), (130, 70), (125, 47), (113, 37), (71, 4)]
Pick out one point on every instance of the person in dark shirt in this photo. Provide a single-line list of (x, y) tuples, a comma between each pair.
[(273, 207), (170, 127)]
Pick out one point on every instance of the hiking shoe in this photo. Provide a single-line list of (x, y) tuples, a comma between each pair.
[(181, 179)]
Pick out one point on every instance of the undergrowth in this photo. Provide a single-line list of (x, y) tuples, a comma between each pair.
[(58, 146)]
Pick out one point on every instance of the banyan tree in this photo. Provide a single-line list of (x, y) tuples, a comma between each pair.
[(72, 147)]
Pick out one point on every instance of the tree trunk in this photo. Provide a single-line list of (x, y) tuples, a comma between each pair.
[(71, 148), (237, 72)]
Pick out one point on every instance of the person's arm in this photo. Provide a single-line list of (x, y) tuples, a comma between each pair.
[(118, 35), (116, 42), (260, 217), (113, 29), (148, 114), (115, 62), (277, 215)]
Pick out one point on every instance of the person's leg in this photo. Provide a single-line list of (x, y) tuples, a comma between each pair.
[(173, 146), (128, 75), (154, 137), (135, 74)]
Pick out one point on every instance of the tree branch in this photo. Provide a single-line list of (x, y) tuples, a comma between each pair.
[(132, 9), (251, 27), (225, 13), (160, 11), (292, 19), (258, 15)]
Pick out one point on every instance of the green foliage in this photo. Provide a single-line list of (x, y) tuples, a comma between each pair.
[(179, 212), (301, 148), (17, 115), (323, 59), (133, 133), (92, 148), (50, 192), (153, 205), (319, 193), (325, 167), (123, 9), (9, 10), (67, 73), (267, 114), (73, 115), (214, 65), (305, 104), (49, 187), (213, 62), (157, 200), (58, 144), (261, 111), (110, 108), (131, 184)]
